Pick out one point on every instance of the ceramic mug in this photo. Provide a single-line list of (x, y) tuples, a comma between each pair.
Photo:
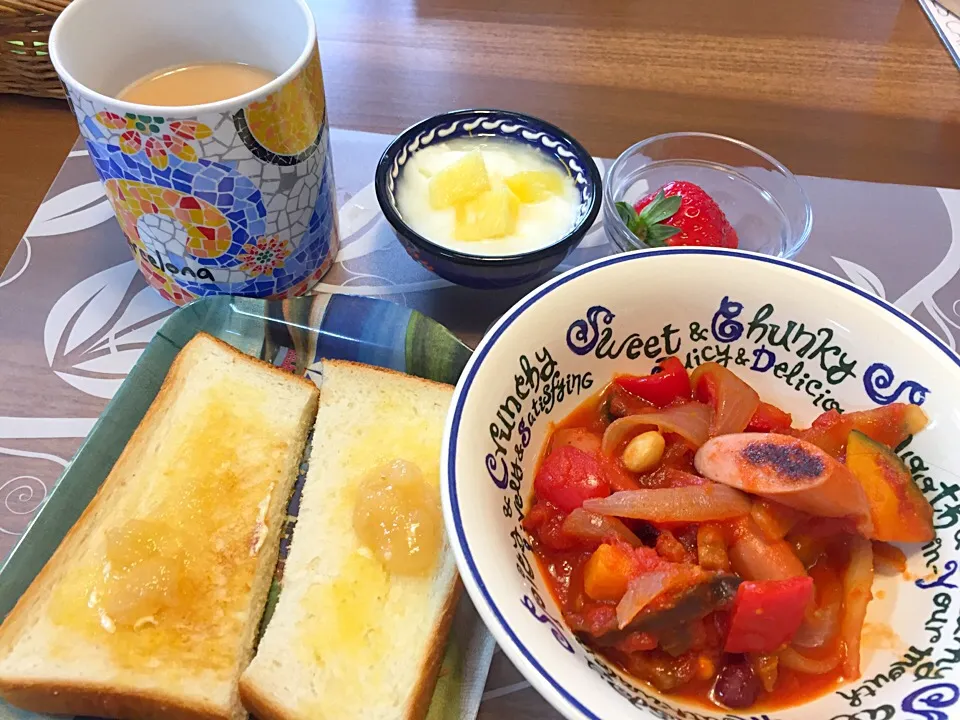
[(232, 197)]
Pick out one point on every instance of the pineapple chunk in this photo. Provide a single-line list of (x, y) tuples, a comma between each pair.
[(492, 214), (461, 181), (533, 186)]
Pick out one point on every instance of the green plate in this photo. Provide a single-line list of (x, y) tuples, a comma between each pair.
[(296, 334)]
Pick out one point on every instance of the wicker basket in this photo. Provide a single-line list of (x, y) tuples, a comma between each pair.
[(24, 61)]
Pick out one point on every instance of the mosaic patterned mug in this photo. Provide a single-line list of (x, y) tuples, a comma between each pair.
[(233, 197)]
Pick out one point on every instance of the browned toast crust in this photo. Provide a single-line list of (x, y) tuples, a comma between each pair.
[(419, 701), (96, 698), (262, 700), (387, 371), (58, 698), (259, 704)]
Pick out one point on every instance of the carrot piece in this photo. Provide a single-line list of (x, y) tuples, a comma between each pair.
[(857, 583), (608, 572)]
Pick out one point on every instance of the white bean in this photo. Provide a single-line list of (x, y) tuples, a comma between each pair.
[(643, 453)]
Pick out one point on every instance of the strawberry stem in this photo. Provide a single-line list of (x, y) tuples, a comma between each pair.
[(648, 225), (660, 209)]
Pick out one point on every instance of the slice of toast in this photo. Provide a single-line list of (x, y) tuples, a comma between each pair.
[(150, 606), (349, 639)]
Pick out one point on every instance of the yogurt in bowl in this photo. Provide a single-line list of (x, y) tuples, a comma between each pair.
[(488, 198)]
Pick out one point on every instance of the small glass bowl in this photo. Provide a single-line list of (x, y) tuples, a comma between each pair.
[(760, 197)]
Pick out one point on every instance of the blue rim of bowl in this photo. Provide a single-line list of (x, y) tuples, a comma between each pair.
[(484, 602), (396, 221), (609, 202)]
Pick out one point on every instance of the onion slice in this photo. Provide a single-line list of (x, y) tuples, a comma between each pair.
[(641, 592), (586, 525), (857, 583), (736, 400), (819, 632), (801, 663), (736, 404), (693, 503), (821, 622), (690, 420)]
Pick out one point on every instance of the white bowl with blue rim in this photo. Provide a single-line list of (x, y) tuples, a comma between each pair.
[(489, 271), (566, 339)]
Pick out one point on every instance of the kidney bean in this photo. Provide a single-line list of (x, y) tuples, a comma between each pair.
[(737, 686)]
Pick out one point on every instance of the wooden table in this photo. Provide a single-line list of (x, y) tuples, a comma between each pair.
[(859, 89)]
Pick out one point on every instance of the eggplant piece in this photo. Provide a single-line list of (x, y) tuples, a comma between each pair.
[(619, 404), (678, 641), (670, 625), (616, 407), (647, 533)]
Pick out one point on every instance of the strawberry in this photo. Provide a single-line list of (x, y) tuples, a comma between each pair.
[(679, 213)]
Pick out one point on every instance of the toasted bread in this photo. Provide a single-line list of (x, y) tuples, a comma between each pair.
[(350, 639), (150, 606)]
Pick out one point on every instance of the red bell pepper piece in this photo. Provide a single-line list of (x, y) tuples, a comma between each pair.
[(769, 418), (767, 613), (568, 476), (661, 388)]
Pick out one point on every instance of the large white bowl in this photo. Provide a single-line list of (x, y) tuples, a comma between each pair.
[(580, 329)]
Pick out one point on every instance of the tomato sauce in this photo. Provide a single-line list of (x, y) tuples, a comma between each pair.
[(676, 641)]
